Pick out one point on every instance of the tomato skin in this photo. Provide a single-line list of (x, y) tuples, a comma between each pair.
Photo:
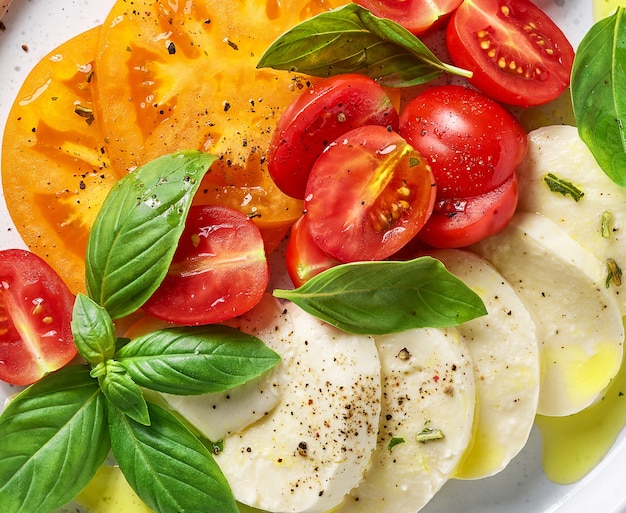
[(367, 195), (327, 110), (472, 143), (517, 54), (480, 217), (35, 316), (303, 258), (219, 269), (417, 16)]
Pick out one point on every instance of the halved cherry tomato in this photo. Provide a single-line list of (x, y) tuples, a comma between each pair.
[(416, 16), (179, 75), (35, 315), (517, 54), (459, 223), (471, 142), (367, 195), (304, 259), (219, 269), (55, 172), (327, 110)]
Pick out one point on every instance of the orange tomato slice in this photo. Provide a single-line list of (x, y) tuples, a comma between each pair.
[(55, 171), (174, 75)]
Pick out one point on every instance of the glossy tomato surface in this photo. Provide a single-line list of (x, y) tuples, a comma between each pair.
[(318, 116), (303, 258), (182, 75), (55, 171), (368, 194), (219, 269), (462, 222), (517, 54), (471, 142), (416, 16), (35, 315)]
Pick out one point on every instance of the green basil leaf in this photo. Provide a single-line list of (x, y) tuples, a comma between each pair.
[(196, 360), (387, 297), (123, 393), (351, 39), (134, 237), (167, 466), (598, 88), (93, 330), (53, 438)]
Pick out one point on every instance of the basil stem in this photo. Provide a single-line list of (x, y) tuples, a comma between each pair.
[(598, 89), (53, 438), (387, 297), (134, 237), (351, 39), (93, 330), (167, 466), (198, 360)]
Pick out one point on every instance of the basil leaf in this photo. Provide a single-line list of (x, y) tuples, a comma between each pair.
[(93, 330), (53, 438), (387, 297), (598, 86), (196, 360), (123, 393), (167, 466), (351, 39), (134, 237)]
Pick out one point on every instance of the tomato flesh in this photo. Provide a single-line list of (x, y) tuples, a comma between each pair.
[(55, 172), (219, 269), (35, 315), (471, 142), (517, 54), (174, 76), (304, 259), (327, 110), (367, 195), (417, 16), (460, 223)]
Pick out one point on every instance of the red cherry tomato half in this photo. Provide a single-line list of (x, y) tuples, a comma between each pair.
[(472, 143), (459, 223), (368, 194), (516, 52), (417, 16), (219, 269), (327, 110), (35, 315), (304, 258)]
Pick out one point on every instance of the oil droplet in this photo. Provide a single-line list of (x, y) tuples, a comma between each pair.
[(575, 444)]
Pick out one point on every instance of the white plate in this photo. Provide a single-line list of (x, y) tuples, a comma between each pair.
[(35, 27)]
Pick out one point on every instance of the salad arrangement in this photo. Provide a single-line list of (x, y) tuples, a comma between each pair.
[(105, 280)]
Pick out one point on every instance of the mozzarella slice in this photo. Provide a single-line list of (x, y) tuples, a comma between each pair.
[(503, 347), (427, 384), (217, 415), (559, 150), (313, 448), (578, 322)]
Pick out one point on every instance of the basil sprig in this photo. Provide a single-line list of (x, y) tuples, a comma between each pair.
[(351, 39), (598, 89), (387, 297), (135, 234), (56, 433)]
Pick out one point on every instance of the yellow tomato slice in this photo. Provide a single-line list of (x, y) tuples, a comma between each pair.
[(174, 75), (55, 173)]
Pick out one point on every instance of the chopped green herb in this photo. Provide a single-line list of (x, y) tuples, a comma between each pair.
[(396, 440), (563, 187), (429, 434), (607, 224), (614, 275)]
